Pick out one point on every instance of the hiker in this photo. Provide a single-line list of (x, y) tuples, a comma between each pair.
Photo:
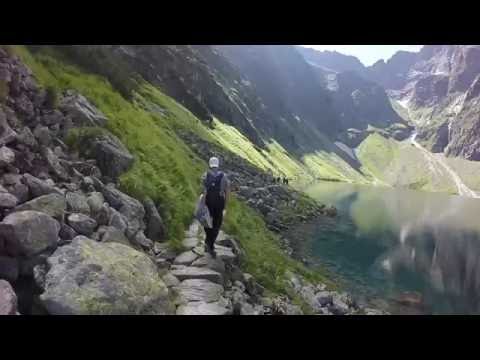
[(216, 189)]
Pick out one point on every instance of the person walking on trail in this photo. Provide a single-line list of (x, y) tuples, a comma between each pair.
[(216, 190)]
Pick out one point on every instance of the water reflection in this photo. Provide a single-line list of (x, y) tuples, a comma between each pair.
[(414, 247)]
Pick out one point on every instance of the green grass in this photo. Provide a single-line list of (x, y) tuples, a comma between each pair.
[(376, 153), (165, 169)]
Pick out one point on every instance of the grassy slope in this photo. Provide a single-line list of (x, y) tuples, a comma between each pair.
[(165, 168), (400, 164)]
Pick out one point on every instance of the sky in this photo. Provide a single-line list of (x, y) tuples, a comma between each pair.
[(367, 54)]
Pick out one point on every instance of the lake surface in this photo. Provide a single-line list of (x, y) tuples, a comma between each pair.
[(409, 252)]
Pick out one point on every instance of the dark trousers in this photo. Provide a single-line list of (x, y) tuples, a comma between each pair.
[(216, 212)]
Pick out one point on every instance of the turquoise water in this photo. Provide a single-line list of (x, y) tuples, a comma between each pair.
[(406, 251)]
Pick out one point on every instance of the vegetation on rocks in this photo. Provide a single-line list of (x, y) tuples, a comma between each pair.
[(166, 170)]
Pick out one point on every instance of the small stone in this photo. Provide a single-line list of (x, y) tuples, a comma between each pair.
[(8, 299), (141, 240), (42, 134), (82, 224), (112, 234), (7, 156), (7, 200), (67, 233)]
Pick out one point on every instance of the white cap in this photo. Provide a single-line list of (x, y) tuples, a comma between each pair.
[(213, 162)]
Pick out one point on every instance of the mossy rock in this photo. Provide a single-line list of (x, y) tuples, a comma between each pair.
[(91, 278)]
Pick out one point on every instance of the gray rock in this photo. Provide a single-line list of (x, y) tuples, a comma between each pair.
[(190, 242), (185, 258), (52, 118), (42, 135), (95, 201), (112, 234), (338, 307), (29, 232), (8, 299), (208, 262), (7, 156), (170, 280), (252, 287), (7, 135), (39, 275), (117, 220), (155, 227), (162, 263), (81, 111), (39, 187), (77, 203), (198, 290), (95, 278), (142, 241), (185, 273), (7, 200), (130, 208), (202, 308), (82, 224), (27, 138), (324, 298), (51, 204), (67, 233), (9, 268), (55, 165), (87, 184), (102, 216), (225, 254)]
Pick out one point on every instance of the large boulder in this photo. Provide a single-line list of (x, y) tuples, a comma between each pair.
[(8, 299), (28, 233), (155, 227), (81, 111), (131, 209), (92, 278), (82, 224), (51, 204)]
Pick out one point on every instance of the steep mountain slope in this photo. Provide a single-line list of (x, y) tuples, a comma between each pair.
[(440, 88)]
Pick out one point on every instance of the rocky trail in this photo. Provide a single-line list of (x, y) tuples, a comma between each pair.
[(72, 243), (437, 161)]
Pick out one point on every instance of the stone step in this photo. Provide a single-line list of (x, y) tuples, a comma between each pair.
[(203, 308), (190, 272), (185, 258), (198, 290), (190, 242)]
